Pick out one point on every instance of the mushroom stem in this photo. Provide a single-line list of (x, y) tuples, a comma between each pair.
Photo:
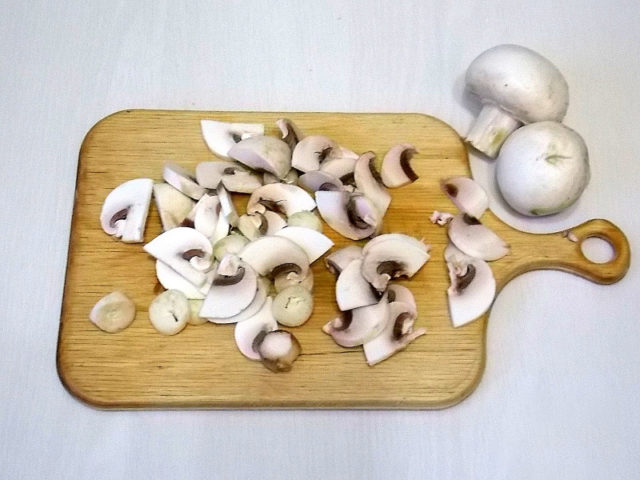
[(491, 129)]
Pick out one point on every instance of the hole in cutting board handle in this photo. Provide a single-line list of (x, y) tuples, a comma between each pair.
[(598, 249)]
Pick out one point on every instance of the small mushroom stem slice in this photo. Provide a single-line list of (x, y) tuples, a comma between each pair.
[(318, 180), (263, 153), (400, 293), (195, 318), (169, 312), (338, 260), (280, 198), (173, 205), (475, 239), (278, 350), (113, 312), (467, 195), (291, 134), (221, 136), (231, 291), (352, 289), (292, 306), (249, 333), (172, 280), (314, 243), (359, 325), (181, 179), (369, 182), (311, 151), (396, 168), (337, 210), (125, 210), (273, 255)]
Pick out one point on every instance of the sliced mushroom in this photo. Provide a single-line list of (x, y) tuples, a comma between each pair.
[(311, 152), (233, 176), (318, 180), (467, 195), (396, 335), (263, 153), (396, 168), (249, 333), (234, 288), (172, 280), (232, 243), (291, 134), (272, 255), (359, 325), (286, 280), (181, 179), (253, 308), (195, 318), (368, 181), (278, 350), (113, 312), (252, 225), (392, 257), (185, 250), (400, 293), (473, 286), (291, 178), (124, 211), (207, 215), (227, 206), (401, 237), (352, 289), (338, 260), (314, 243), (305, 219), (340, 168), (173, 206), (169, 312), (338, 210), (281, 198), (275, 222), (221, 136), (292, 306), (475, 239)]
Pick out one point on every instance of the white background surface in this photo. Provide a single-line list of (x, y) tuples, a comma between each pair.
[(559, 398)]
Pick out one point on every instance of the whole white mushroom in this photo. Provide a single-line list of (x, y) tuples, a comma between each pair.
[(542, 168)]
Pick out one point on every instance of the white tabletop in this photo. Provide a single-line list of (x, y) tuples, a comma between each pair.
[(559, 397)]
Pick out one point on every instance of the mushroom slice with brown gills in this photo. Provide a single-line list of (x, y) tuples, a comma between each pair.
[(181, 179), (291, 178), (221, 136), (280, 198), (467, 195), (234, 176), (275, 222), (368, 181), (250, 332), (340, 168), (391, 258), (475, 239), (291, 134), (172, 280), (352, 289), (286, 280), (414, 242), (227, 207), (400, 293), (234, 287), (185, 250), (473, 286), (344, 214), (253, 225), (263, 153), (278, 350), (173, 205), (396, 334), (271, 256), (125, 210), (253, 308), (359, 325), (338, 260), (318, 180), (311, 152), (396, 168), (314, 243)]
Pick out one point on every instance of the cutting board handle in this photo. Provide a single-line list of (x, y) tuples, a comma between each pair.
[(557, 251)]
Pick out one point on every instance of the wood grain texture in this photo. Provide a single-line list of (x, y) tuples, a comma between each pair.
[(201, 367)]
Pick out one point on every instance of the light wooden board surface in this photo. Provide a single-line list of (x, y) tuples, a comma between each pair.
[(201, 367)]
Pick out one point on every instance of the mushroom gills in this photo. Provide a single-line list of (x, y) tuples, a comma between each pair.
[(221, 136), (359, 325), (466, 194), (396, 168), (291, 134), (368, 181), (263, 153), (231, 292), (311, 151), (125, 210), (273, 255), (247, 331), (280, 198), (319, 180), (337, 210)]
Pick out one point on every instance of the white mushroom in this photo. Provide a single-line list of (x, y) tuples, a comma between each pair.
[(318, 180), (278, 350), (280, 197), (113, 312), (249, 333), (221, 136), (172, 280), (195, 318), (338, 260), (252, 225), (340, 168), (475, 239), (292, 306), (515, 85), (352, 289), (358, 326), (253, 308), (234, 287), (400, 293), (314, 243), (291, 134), (169, 312), (181, 179), (467, 195), (473, 286), (287, 280), (227, 206), (173, 206), (234, 177), (206, 215), (124, 211), (311, 151), (440, 218), (344, 213), (542, 168), (232, 243), (396, 168), (185, 250), (368, 181), (263, 153), (305, 219), (275, 222), (272, 256)]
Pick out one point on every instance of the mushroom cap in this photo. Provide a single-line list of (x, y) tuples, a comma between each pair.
[(337, 209), (173, 205), (466, 194), (263, 153), (287, 199), (369, 182), (352, 289), (396, 168), (234, 176), (338, 260), (475, 239), (359, 325), (125, 210), (230, 294), (542, 168), (221, 136), (521, 81)]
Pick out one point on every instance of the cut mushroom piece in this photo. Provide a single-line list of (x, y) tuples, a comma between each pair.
[(467, 195), (314, 243), (232, 243), (292, 306), (311, 152), (227, 206), (400, 293), (338, 209), (263, 153), (185, 250), (113, 312), (221, 136), (340, 168), (278, 350), (275, 222), (181, 179), (169, 312), (475, 239), (286, 280), (396, 335), (207, 215), (195, 318), (291, 134), (352, 289), (273, 255), (173, 206), (305, 219), (249, 333), (234, 287), (391, 258), (124, 211), (233, 176), (359, 325), (396, 168), (291, 178), (318, 180), (368, 181), (338, 260), (473, 286), (440, 218), (253, 308), (172, 280), (253, 225), (281, 198)]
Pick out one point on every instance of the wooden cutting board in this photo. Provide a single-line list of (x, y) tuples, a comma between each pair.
[(201, 367)]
